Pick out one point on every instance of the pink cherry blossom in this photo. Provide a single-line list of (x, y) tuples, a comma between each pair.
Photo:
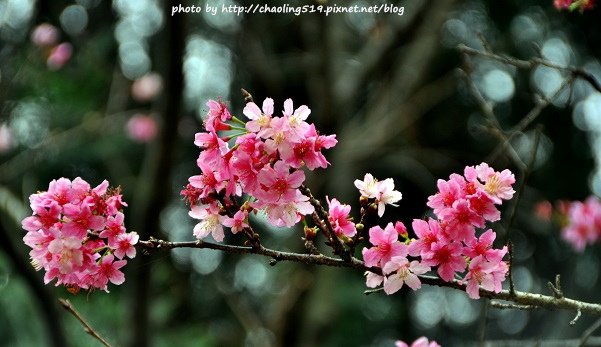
[(373, 280), (259, 120), (339, 218), (386, 195), (427, 233), (80, 219), (278, 184), (487, 274), (400, 271), (74, 232), (109, 271), (113, 227), (461, 220), (296, 126), (237, 223), (217, 116), (124, 245), (368, 187), (210, 222), (386, 246), (287, 214), (496, 184), (448, 257), (483, 205), (483, 247), (448, 192), (214, 148)]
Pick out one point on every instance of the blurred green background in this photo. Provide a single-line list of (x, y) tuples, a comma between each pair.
[(124, 95)]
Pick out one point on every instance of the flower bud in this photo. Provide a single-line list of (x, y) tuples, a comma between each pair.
[(372, 208), (310, 233), (401, 229), (363, 200)]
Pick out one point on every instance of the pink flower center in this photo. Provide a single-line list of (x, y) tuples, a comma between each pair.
[(384, 248), (280, 186)]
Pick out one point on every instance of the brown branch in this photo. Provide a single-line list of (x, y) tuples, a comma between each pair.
[(274, 254), (66, 304), (516, 297), (324, 223)]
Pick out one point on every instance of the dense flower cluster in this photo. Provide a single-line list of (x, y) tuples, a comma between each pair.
[(572, 5), (583, 222), (77, 235), (263, 160), (449, 242), (420, 342)]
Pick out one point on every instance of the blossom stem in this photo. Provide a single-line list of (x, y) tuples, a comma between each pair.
[(237, 120), (239, 128)]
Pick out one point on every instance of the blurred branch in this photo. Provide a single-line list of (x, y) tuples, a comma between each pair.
[(26, 159), (13, 208), (540, 103), (66, 304), (533, 63), (154, 188), (519, 298), (586, 335), (396, 105), (356, 71), (593, 341), (487, 110)]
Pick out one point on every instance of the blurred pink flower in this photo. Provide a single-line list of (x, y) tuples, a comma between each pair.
[(147, 87), (543, 210), (45, 35), (6, 138), (421, 342), (142, 128), (59, 56)]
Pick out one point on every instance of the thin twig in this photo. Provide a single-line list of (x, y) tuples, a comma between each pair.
[(573, 321), (556, 288), (510, 274), (66, 304), (487, 110), (322, 215), (520, 191)]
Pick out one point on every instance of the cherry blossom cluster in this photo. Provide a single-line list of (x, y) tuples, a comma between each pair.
[(77, 234), (262, 158), (462, 205), (573, 5), (582, 222), (420, 342)]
